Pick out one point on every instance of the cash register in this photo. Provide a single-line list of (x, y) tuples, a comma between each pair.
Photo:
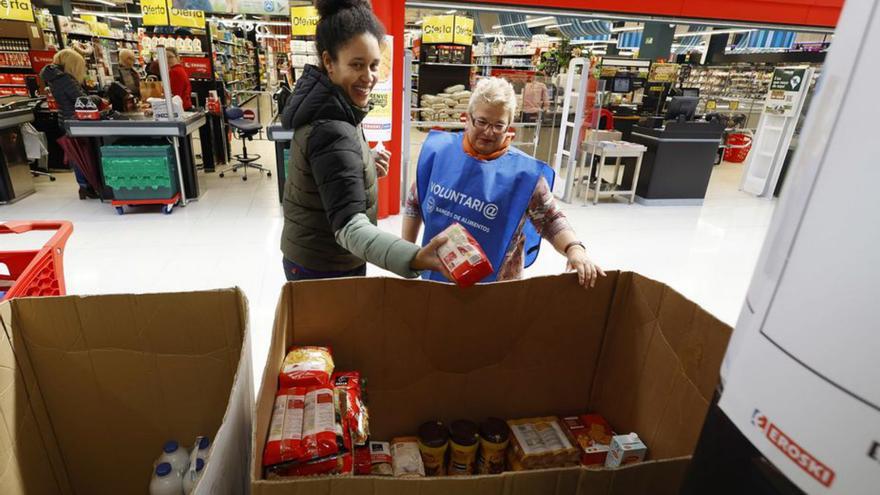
[(681, 154)]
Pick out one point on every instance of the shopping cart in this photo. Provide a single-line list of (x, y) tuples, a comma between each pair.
[(34, 273)]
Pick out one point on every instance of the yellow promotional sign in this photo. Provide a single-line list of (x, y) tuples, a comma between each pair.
[(439, 29), (711, 105), (155, 12), (185, 18), (464, 31), (303, 21), (16, 10), (101, 29)]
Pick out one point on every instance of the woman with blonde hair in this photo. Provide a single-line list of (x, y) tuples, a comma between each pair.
[(64, 77), (502, 195)]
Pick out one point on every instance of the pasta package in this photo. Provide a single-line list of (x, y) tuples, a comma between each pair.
[(306, 366), (285, 431)]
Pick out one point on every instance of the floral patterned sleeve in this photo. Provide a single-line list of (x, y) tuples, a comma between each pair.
[(411, 207), (544, 212)]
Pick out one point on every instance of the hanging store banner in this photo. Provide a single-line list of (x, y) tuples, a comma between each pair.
[(254, 7), (185, 17), (464, 31), (303, 21), (155, 12), (439, 29), (16, 10), (377, 123)]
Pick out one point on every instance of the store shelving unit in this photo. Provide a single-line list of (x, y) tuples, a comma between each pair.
[(15, 65), (235, 63)]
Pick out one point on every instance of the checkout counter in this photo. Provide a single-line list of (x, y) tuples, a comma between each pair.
[(137, 125), (678, 163), (16, 180)]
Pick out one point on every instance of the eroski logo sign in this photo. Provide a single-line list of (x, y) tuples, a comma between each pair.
[(812, 466)]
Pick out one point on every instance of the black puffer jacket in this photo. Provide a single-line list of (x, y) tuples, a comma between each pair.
[(64, 88), (331, 174)]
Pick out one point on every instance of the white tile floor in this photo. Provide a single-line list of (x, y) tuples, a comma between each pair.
[(230, 237)]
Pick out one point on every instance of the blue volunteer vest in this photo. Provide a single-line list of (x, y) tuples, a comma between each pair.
[(488, 198)]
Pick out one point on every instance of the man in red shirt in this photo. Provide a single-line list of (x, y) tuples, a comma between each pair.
[(178, 79)]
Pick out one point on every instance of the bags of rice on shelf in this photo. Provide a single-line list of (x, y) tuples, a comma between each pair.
[(454, 89)]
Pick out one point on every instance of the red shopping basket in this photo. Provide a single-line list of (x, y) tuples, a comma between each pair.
[(738, 146), (34, 273)]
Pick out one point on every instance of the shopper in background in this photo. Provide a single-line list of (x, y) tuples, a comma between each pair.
[(500, 194), (178, 79), (536, 99), (65, 76), (330, 198), (127, 74)]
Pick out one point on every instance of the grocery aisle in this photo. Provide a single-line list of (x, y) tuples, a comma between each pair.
[(230, 237)]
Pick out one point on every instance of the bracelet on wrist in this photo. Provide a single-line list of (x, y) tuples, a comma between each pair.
[(573, 244)]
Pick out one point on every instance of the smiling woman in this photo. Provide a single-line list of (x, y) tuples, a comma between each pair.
[(330, 198)]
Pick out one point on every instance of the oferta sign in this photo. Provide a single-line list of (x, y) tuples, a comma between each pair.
[(303, 21), (155, 12), (164, 13), (16, 10)]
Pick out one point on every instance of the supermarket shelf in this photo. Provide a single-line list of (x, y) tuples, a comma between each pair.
[(444, 64), (28, 67), (13, 86), (225, 42)]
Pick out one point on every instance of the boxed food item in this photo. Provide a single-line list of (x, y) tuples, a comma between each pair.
[(463, 257), (380, 459), (625, 449), (538, 443), (634, 351), (92, 382), (406, 460), (592, 433)]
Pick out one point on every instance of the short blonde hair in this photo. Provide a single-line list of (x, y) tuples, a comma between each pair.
[(127, 54), (72, 62), (494, 91)]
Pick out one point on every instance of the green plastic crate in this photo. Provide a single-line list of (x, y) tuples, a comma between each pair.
[(140, 172)]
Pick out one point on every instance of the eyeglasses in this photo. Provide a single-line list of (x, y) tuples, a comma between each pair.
[(483, 124)]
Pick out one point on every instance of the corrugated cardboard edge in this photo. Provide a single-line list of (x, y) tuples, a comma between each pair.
[(234, 463), (36, 405)]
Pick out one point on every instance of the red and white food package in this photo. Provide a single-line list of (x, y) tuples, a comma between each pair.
[(349, 393), (319, 424), (335, 464), (306, 366), (362, 461), (463, 257), (285, 432)]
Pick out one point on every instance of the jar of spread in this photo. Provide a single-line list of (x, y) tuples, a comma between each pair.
[(494, 439), (433, 442), (463, 447)]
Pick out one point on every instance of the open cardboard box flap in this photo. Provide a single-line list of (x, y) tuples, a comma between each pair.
[(631, 348), (92, 387)]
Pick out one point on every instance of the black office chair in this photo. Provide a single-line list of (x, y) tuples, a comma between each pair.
[(245, 130)]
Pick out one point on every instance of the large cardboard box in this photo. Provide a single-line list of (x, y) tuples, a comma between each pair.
[(631, 349), (91, 387)]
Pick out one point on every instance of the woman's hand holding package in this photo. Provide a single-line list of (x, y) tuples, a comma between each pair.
[(427, 258)]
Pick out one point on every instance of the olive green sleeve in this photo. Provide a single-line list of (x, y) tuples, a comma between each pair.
[(372, 244)]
